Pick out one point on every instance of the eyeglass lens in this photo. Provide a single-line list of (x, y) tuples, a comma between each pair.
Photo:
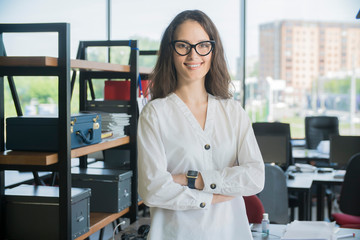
[(184, 48)]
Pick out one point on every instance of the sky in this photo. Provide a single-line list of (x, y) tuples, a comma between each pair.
[(149, 18)]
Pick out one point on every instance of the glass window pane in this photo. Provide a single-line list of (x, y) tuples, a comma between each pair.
[(303, 59)]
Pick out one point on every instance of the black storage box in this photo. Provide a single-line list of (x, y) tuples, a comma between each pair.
[(41, 133), (106, 165), (110, 188), (118, 158), (32, 212)]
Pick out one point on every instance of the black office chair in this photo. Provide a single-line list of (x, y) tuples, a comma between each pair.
[(274, 196), (276, 129), (350, 195), (318, 128)]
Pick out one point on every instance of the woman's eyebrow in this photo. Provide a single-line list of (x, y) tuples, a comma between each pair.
[(203, 40)]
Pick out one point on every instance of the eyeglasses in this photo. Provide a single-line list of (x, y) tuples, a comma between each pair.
[(184, 48)]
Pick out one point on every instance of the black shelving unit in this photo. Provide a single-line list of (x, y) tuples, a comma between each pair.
[(62, 71), (114, 106), (60, 67)]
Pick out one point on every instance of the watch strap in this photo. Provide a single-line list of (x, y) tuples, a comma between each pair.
[(191, 182), (191, 176)]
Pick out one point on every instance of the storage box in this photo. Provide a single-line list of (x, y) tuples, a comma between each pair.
[(110, 189), (116, 158), (104, 164), (41, 133), (32, 212)]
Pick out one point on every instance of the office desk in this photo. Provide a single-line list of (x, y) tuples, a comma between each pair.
[(303, 184), (321, 180), (277, 231)]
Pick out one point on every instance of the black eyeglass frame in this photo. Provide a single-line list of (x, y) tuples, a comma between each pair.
[(193, 46)]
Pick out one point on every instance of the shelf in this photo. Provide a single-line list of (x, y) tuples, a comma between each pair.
[(44, 61), (49, 158), (100, 220)]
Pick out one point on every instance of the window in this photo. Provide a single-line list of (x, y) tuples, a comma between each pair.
[(326, 60)]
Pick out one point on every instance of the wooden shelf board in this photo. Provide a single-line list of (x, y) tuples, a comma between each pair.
[(44, 61), (48, 158), (99, 220), (90, 65), (105, 144), (28, 158), (28, 61)]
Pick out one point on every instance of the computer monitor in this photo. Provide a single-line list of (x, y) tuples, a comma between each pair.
[(342, 148), (273, 149)]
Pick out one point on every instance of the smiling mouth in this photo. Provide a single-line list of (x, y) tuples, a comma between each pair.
[(193, 65)]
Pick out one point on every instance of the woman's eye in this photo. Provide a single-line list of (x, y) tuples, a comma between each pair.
[(181, 45), (204, 45)]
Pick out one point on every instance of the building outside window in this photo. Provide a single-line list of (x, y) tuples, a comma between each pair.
[(308, 62)]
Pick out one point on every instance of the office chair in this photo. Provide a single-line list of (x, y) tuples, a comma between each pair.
[(254, 208), (318, 128), (350, 196), (276, 129), (274, 196)]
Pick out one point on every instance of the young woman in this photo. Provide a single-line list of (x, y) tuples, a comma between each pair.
[(197, 153)]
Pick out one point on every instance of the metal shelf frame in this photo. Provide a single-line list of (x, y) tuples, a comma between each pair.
[(65, 86), (130, 107), (62, 71)]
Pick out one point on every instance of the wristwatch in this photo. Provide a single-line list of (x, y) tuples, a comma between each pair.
[(191, 176)]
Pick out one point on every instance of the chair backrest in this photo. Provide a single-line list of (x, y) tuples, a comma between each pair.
[(274, 196), (342, 148), (350, 192), (318, 128), (276, 129), (254, 208), (274, 149)]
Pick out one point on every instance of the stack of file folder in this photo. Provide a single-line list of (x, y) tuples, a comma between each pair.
[(115, 123)]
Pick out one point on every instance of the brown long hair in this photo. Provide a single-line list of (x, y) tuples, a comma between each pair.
[(163, 80)]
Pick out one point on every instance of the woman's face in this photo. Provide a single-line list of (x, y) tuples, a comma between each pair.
[(191, 67)]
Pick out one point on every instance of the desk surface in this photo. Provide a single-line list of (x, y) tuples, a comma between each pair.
[(305, 179)]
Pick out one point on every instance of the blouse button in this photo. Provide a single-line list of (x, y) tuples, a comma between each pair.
[(213, 186), (202, 205), (207, 146)]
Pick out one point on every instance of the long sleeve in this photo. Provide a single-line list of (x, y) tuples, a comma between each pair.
[(247, 176), (156, 185)]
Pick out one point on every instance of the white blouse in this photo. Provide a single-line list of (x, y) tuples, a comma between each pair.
[(171, 141)]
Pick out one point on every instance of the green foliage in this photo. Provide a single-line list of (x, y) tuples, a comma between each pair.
[(42, 89), (340, 86), (121, 55)]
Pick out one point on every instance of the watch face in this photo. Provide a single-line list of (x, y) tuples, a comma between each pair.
[(192, 173)]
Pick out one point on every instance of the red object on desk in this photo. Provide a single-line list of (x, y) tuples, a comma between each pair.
[(120, 90)]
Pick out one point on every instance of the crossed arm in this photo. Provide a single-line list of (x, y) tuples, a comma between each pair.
[(199, 185)]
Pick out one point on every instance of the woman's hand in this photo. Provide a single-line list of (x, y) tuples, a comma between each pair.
[(199, 184), (182, 180), (218, 198)]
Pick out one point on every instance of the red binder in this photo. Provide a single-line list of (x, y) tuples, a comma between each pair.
[(120, 90)]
